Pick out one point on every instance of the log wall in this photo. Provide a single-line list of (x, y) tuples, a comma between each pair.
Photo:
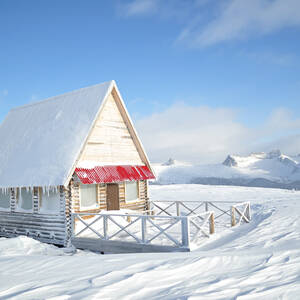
[(57, 228), (49, 228)]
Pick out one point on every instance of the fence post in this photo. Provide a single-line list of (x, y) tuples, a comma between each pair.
[(248, 212), (211, 224), (105, 225), (206, 206), (185, 231), (128, 219), (178, 209), (144, 229), (233, 223)]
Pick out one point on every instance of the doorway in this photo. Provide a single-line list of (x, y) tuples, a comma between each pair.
[(112, 196)]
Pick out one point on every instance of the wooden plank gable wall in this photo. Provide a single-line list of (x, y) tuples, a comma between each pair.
[(110, 141)]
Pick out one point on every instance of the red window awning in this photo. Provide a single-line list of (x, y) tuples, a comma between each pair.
[(106, 174)]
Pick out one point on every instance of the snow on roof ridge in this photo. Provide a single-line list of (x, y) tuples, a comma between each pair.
[(59, 96)]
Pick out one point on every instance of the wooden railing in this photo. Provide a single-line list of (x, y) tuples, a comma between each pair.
[(225, 212), (242, 210), (179, 231)]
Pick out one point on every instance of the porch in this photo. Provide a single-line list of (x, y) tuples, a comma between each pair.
[(168, 226)]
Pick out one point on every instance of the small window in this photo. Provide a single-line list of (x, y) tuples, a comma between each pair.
[(24, 198), (88, 196), (49, 202), (131, 191), (4, 200)]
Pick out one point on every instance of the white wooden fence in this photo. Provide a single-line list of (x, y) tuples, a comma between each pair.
[(179, 231), (175, 224), (225, 212)]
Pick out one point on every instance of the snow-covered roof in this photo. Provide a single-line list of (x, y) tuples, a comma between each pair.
[(40, 142)]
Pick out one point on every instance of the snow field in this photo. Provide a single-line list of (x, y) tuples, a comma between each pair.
[(260, 260)]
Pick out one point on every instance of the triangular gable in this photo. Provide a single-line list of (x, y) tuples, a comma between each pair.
[(109, 142), (112, 139)]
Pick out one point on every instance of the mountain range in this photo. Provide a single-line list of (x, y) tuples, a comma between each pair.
[(273, 169)]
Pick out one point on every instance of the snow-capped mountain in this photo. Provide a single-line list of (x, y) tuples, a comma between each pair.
[(272, 169)]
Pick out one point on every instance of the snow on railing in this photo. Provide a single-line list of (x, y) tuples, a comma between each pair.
[(225, 212), (175, 223), (179, 231), (243, 210)]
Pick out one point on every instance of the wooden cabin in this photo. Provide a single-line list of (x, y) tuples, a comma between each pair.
[(77, 152)]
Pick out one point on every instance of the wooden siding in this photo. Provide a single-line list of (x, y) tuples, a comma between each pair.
[(75, 191), (130, 127), (50, 228), (66, 193), (36, 200), (56, 228), (141, 204), (110, 140), (13, 199), (102, 196)]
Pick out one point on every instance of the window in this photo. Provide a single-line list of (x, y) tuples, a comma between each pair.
[(131, 191), (49, 201), (4, 199), (24, 198), (88, 196)]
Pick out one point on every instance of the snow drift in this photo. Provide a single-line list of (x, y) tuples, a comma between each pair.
[(259, 260)]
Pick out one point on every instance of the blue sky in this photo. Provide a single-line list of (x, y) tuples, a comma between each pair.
[(231, 65)]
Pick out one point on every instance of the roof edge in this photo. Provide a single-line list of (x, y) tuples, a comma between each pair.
[(112, 84), (57, 96)]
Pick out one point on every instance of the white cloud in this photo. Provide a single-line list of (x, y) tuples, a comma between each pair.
[(239, 19), (3, 94), (138, 7), (206, 23), (205, 135), (287, 144), (171, 9), (191, 133), (281, 119), (33, 97)]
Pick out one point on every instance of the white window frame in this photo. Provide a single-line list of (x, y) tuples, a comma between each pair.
[(80, 199), (19, 201), (138, 191), (9, 208)]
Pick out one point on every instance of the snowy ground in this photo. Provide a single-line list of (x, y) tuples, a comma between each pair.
[(260, 260)]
